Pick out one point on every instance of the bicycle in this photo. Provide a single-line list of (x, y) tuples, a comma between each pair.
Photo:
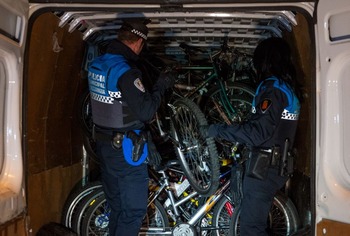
[(217, 86), (179, 210), (180, 204), (94, 198)]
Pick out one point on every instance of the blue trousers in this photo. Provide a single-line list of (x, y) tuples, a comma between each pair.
[(256, 203), (125, 188)]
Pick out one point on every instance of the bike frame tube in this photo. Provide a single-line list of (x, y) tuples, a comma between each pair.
[(210, 203), (229, 110), (201, 85), (225, 101)]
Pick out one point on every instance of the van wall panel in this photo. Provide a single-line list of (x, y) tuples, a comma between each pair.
[(53, 134), (54, 80)]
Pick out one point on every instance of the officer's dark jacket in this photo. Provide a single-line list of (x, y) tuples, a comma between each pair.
[(136, 105), (274, 118)]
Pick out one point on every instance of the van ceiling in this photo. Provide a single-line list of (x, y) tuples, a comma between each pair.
[(241, 29)]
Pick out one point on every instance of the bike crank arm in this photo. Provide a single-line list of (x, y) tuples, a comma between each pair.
[(155, 231)]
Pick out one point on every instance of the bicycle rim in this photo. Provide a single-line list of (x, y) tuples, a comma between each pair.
[(198, 156), (96, 219)]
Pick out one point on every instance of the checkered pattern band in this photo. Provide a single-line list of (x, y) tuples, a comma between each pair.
[(100, 98), (105, 99), (286, 115), (117, 94), (138, 33)]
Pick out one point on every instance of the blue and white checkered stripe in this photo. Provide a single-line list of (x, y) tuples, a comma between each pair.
[(106, 99), (139, 33), (286, 115)]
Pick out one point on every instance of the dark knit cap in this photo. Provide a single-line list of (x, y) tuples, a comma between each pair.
[(136, 26)]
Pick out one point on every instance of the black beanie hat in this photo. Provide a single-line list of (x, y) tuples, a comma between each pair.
[(136, 26)]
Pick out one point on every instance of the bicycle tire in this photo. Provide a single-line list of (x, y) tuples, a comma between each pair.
[(199, 157), (283, 218), (222, 214), (82, 209), (98, 206), (74, 199), (96, 220)]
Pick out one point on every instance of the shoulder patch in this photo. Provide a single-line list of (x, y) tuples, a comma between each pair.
[(264, 106), (139, 85)]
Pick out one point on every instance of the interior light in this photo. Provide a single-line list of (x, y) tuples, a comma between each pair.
[(219, 14)]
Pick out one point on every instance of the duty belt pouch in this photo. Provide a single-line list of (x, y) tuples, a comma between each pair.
[(117, 140), (258, 164)]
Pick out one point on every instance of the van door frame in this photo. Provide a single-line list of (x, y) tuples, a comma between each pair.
[(12, 41), (332, 166)]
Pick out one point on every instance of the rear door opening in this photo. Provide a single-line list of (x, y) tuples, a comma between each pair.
[(64, 37)]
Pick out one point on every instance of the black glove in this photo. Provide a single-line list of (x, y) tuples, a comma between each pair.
[(154, 158), (203, 130), (167, 79)]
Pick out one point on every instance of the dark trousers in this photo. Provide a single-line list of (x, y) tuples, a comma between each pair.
[(256, 203), (126, 190)]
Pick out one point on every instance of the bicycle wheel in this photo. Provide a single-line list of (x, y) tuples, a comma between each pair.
[(283, 218), (96, 218), (85, 205), (198, 156), (240, 97), (74, 199), (221, 216)]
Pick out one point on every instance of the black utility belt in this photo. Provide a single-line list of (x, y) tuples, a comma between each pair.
[(106, 136), (260, 160), (117, 137), (273, 155), (132, 143)]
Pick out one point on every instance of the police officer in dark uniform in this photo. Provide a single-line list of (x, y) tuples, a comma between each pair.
[(120, 104), (269, 131)]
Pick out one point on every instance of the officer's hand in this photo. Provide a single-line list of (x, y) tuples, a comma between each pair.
[(203, 130), (154, 159), (167, 79)]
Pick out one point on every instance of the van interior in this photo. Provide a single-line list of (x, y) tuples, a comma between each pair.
[(62, 41)]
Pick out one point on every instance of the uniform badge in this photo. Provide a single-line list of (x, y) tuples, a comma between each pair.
[(266, 103), (139, 85)]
